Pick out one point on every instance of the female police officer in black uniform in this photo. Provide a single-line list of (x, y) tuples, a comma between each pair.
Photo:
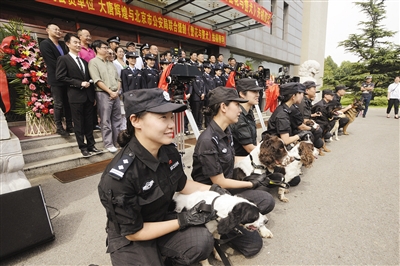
[(280, 124), (244, 132), (136, 190), (213, 161)]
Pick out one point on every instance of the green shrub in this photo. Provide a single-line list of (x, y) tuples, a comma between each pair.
[(379, 101)]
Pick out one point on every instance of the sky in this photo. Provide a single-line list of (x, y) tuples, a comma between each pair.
[(343, 17)]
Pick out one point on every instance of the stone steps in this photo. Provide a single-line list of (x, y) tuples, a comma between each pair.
[(50, 154)]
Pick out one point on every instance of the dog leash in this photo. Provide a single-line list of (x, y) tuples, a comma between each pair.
[(217, 242)]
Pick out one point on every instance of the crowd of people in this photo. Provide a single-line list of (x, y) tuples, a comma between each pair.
[(87, 79), (90, 79)]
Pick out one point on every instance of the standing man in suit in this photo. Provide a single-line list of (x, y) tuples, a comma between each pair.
[(74, 71), (51, 49)]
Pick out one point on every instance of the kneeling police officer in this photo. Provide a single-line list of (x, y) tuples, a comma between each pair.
[(137, 187)]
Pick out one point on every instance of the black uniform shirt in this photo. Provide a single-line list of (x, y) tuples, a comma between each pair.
[(244, 132), (279, 122), (214, 154), (145, 190), (305, 107), (296, 118), (336, 100), (151, 77)]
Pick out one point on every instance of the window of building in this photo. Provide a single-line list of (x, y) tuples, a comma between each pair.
[(285, 20)]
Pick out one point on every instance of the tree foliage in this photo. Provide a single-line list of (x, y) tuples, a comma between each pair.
[(377, 55)]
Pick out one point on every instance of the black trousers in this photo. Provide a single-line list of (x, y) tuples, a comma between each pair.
[(61, 106), (183, 247), (82, 116), (197, 110), (391, 103)]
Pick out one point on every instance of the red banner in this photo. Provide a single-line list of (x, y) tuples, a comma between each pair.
[(251, 9), (118, 10)]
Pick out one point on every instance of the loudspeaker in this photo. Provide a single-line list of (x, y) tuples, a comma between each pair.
[(24, 220)]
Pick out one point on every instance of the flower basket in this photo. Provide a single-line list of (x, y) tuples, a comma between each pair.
[(39, 126)]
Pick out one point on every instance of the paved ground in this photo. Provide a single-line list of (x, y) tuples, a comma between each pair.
[(344, 212)]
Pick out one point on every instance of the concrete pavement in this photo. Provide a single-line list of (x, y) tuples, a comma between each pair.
[(344, 212)]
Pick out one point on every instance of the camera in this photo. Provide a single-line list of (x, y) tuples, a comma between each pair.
[(181, 75), (284, 78)]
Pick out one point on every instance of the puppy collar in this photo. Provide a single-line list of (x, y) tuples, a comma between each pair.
[(256, 166)]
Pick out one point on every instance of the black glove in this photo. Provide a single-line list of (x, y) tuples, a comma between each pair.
[(303, 134), (195, 216), (219, 189), (256, 179)]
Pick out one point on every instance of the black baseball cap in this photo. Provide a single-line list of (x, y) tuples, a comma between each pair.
[(310, 84), (340, 87), (327, 92), (150, 100), (222, 94), (247, 84), (131, 54), (291, 88), (115, 39)]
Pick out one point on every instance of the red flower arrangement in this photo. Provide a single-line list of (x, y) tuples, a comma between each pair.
[(21, 59)]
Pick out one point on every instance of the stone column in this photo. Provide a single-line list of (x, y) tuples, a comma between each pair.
[(12, 177)]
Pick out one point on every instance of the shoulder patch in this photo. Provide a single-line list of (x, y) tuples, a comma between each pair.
[(119, 169)]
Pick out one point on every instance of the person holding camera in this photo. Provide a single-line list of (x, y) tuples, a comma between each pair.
[(367, 88), (213, 163), (137, 187)]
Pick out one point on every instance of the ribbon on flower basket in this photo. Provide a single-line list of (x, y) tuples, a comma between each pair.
[(4, 92)]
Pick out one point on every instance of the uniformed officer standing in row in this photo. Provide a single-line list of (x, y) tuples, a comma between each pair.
[(131, 76), (209, 86), (151, 76), (217, 78), (137, 187), (197, 93)]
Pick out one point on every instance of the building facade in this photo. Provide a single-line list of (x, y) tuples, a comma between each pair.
[(296, 32)]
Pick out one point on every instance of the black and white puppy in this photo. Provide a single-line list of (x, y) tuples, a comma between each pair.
[(304, 154), (231, 211)]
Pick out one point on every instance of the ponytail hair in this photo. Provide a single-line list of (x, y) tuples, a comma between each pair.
[(126, 135), (212, 110)]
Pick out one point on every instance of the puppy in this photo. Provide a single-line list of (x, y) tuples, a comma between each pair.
[(232, 211), (268, 154), (304, 154)]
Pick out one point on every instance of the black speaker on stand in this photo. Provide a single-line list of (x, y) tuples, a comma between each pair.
[(24, 221)]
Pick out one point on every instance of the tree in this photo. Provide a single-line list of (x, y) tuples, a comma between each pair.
[(377, 56)]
